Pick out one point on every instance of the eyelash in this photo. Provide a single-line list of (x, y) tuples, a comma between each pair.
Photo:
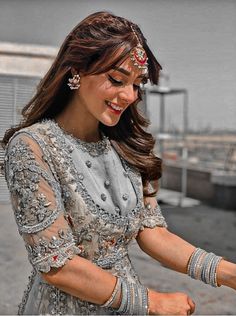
[(120, 83)]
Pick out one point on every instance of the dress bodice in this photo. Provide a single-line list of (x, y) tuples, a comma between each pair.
[(73, 198)]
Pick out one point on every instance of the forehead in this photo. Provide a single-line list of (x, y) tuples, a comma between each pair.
[(128, 65)]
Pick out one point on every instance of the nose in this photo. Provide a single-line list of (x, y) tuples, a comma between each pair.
[(128, 94)]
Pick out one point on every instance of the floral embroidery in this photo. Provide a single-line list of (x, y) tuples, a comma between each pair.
[(33, 212), (101, 237), (93, 148), (21, 306), (53, 253), (153, 217), (57, 302)]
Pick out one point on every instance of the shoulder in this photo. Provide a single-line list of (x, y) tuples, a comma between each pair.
[(28, 150), (35, 135), (28, 143)]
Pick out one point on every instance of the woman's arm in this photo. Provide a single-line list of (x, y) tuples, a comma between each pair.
[(83, 279), (40, 216), (167, 248), (174, 253)]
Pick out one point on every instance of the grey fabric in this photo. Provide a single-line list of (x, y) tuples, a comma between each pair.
[(57, 185)]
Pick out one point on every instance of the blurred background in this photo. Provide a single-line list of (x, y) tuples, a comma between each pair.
[(192, 113)]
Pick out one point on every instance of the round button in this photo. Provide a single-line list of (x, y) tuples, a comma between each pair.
[(88, 163), (125, 197), (148, 206), (117, 209), (107, 183), (103, 197), (81, 176)]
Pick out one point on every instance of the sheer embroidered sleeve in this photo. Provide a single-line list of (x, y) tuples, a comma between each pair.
[(152, 215), (37, 205)]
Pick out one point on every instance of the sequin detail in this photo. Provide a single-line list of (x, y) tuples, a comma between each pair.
[(153, 217), (21, 306), (33, 212), (54, 252), (93, 148), (92, 232)]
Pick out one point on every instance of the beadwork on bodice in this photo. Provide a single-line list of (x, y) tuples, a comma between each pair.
[(74, 198)]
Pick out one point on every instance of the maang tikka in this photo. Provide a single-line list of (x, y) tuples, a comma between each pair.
[(74, 82), (138, 55)]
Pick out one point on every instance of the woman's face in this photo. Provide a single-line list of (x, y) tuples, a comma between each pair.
[(106, 96)]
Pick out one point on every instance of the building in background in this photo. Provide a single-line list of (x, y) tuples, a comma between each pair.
[(194, 41), (21, 67)]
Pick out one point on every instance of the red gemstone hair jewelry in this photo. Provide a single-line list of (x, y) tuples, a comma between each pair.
[(138, 54)]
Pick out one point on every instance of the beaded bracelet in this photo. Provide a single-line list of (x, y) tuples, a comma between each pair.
[(134, 298), (124, 298), (203, 266), (206, 268), (191, 270), (213, 272), (115, 291)]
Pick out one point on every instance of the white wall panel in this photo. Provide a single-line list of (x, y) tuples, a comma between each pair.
[(15, 92)]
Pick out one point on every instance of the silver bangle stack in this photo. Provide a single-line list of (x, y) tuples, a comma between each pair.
[(134, 298), (203, 266), (114, 294)]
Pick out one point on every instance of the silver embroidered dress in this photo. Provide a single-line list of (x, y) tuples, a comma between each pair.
[(72, 198)]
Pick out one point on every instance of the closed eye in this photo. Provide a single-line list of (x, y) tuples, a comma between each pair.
[(114, 81), (120, 83)]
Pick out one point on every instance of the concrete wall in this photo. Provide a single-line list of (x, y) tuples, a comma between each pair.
[(200, 186), (195, 41)]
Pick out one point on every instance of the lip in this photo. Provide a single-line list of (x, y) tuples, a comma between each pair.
[(115, 104), (114, 110)]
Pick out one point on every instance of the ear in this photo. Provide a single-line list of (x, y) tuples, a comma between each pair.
[(73, 71)]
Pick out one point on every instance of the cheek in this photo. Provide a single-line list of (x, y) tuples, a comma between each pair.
[(105, 91), (98, 88)]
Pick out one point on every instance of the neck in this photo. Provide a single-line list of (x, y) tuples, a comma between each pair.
[(76, 121)]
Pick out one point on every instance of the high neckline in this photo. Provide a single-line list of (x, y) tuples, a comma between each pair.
[(92, 148), (77, 138)]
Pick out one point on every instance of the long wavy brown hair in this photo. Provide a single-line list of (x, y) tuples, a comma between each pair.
[(91, 47)]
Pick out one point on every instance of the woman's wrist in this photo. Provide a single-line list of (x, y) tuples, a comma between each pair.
[(226, 274), (128, 298)]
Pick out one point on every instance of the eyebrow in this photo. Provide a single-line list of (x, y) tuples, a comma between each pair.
[(127, 73)]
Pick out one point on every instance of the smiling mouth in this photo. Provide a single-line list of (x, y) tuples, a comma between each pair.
[(116, 109)]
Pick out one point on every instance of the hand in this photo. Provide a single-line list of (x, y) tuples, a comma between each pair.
[(170, 303)]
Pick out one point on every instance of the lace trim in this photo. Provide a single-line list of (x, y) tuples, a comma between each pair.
[(108, 261), (53, 253), (57, 302), (21, 306), (94, 149), (153, 217)]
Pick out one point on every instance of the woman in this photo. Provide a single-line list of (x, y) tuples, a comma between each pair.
[(79, 169)]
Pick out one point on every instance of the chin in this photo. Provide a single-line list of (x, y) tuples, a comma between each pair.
[(109, 122)]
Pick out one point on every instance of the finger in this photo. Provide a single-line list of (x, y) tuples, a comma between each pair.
[(192, 305)]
